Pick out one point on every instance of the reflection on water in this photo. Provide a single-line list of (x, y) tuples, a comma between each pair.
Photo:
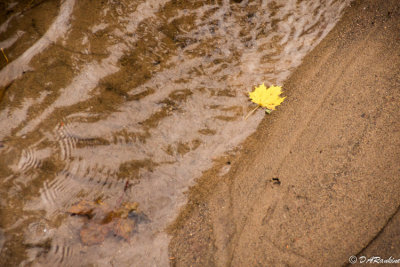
[(131, 101)]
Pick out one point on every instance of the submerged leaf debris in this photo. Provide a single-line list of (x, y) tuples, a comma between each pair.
[(101, 220)]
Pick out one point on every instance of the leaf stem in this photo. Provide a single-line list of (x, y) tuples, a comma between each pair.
[(4, 54), (251, 112)]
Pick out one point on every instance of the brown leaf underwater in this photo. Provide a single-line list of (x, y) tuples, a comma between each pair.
[(101, 220)]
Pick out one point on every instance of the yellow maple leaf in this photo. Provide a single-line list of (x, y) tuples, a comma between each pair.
[(268, 98)]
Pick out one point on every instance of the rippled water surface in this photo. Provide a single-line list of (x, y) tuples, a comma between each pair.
[(129, 101)]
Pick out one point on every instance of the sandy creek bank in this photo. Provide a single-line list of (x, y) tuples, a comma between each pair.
[(319, 180)]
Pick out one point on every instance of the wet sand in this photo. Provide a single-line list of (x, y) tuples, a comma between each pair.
[(319, 180)]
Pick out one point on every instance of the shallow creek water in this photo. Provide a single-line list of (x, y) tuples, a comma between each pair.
[(129, 101)]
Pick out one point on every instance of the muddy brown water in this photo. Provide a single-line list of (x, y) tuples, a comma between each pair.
[(129, 101)]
